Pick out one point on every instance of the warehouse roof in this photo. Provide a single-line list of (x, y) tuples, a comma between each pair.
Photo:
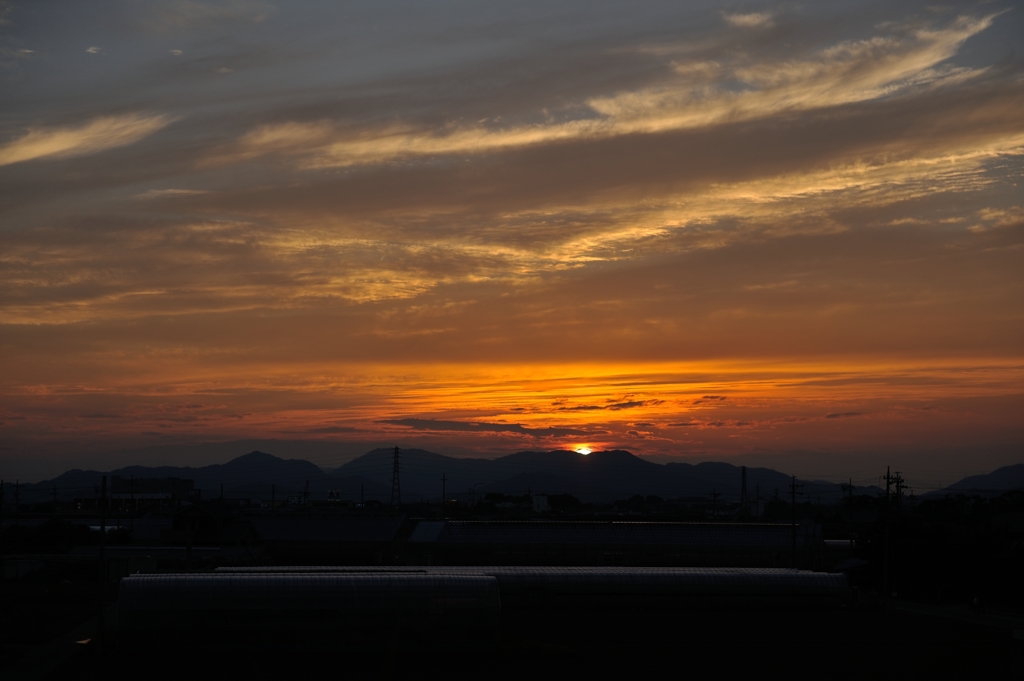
[(309, 591), (707, 581), (615, 533), (328, 528)]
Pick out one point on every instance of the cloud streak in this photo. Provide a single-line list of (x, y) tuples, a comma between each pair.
[(460, 426), (97, 135), (848, 72), (750, 20)]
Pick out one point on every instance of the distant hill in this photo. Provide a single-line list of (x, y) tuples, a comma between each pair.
[(997, 482), (247, 476), (598, 477)]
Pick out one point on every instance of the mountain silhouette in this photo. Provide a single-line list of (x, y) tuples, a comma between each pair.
[(251, 475), (601, 476), (995, 483), (598, 477)]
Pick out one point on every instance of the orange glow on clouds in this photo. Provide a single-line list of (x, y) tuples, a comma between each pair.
[(686, 233), (709, 406)]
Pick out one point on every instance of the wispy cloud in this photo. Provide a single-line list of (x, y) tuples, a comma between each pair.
[(700, 95), (386, 261), (996, 218), (14, 57), (850, 71), (97, 135), (178, 14), (751, 20), (170, 193)]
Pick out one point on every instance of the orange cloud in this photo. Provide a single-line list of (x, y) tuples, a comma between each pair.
[(97, 135), (851, 71)]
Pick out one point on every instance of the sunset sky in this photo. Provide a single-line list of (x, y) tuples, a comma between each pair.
[(782, 234)]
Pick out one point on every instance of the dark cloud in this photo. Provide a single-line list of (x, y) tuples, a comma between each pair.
[(844, 415), (632, 404), (614, 406), (431, 424)]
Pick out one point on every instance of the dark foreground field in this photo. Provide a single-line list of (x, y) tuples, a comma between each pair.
[(864, 640)]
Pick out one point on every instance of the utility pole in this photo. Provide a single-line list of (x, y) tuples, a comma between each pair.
[(849, 488), (793, 486), (396, 485), (885, 546), (273, 498), (135, 509), (900, 485), (849, 525), (714, 503), (101, 569), (743, 489), (757, 502), (220, 521), (443, 494)]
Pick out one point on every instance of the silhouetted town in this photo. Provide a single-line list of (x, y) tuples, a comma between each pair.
[(98, 580)]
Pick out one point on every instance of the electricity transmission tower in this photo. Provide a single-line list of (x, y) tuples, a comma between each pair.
[(793, 487), (396, 485)]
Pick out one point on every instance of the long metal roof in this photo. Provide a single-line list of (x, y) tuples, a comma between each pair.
[(704, 580), (614, 533), (305, 591), (357, 528)]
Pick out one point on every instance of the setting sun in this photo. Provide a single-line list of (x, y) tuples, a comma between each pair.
[(583, 450)]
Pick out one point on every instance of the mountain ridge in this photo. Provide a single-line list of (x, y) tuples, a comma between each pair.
[(600, 476), (1000, 480)]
